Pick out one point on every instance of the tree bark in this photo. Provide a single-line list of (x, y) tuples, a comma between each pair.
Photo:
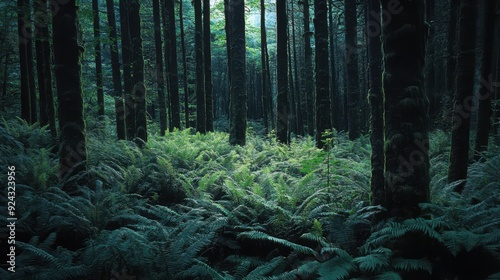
[(139, 89), (68, 69), (238, 103), (308, 71), (353, 96), (459, 156), (129, 105), (160, 79), (115, 68), (200, 75), (323, 114), (24, 33), (376, 102), (184, 65), (266, 90), (405, 104), (173, 75), (98, 58), (282, 119), (486, 90), (208, 66)]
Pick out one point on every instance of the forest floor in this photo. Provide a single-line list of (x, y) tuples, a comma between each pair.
[(191, 206)]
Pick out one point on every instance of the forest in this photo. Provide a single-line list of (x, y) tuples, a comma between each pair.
[(250, 139)]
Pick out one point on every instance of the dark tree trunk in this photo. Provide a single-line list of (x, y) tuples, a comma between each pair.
[(31, 68), (375, 98), (160, 79), (292, 102), (184, 65), (68, 69), (24, 34), (431, 63), (115, 68), (299, 102), (323, 121), (173, 76), (353, 96), (200, 75), (405, 104), (308, 71), (451, 61), (459, 156), (139, 90), (486, 86), (208, 66), (238, 103), (334, 92), (266, 89), (129, 105), (282, 118), (98, 58)]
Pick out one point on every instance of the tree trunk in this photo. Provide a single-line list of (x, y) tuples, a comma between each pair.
[(208, 66), (353, 96), (184, 65), (292, 102), (375, 98), (486, 86), (139, 90), (160, 79), (200, 75), (430, 65), (172, 66), (98, 58), (68, 69), (451, 60), (405, 104), (323, 121), (298, 97), (24, 33), (459, 156), (308, 70), (334, 92), (266, 90), (238, 103), (282, 119), (115, 68), (129, 105)]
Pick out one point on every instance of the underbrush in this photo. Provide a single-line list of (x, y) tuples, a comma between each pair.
[(191, 206)]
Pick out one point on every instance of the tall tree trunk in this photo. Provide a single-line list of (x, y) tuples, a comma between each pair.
[(299, 101), (451, 60), (40, 23), (139, 90), (308, 70), (334, 92), (172, 62), (292, 102), (266, 90), (459, 156), (431, 63), (486, 86), (68, 69), (238, 116), (323, 121), (24, 34), (160, 79), (200, 75), (208, 66), (115, 68), (98, 58), (375, 98), (282, 119), (353, 96), (31, 67), (129, 105), (184, 65), (405, 104)]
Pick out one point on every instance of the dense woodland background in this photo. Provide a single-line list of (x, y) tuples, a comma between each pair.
[(232, 139)]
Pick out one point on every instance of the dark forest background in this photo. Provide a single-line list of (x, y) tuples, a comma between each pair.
[(233, 139)]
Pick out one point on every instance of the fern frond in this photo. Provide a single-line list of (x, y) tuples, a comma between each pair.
[(257, 235)]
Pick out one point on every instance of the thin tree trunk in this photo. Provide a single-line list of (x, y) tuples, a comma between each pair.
[(335, 100), (24, 33), (308, 71), (323, 122), (173, 72), (266, 90), (375, 98), (129, 104), (292, 102), (208, 66), (68, 69), (451, 60), (115, 68), (160, 79), (405, 106), (283, 111), (299, 102), (98, 58), (459, 156), (40, 23), (486, 86), (238, 116), (139, 89), (353, 96), (200, 75), (184, 65)]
